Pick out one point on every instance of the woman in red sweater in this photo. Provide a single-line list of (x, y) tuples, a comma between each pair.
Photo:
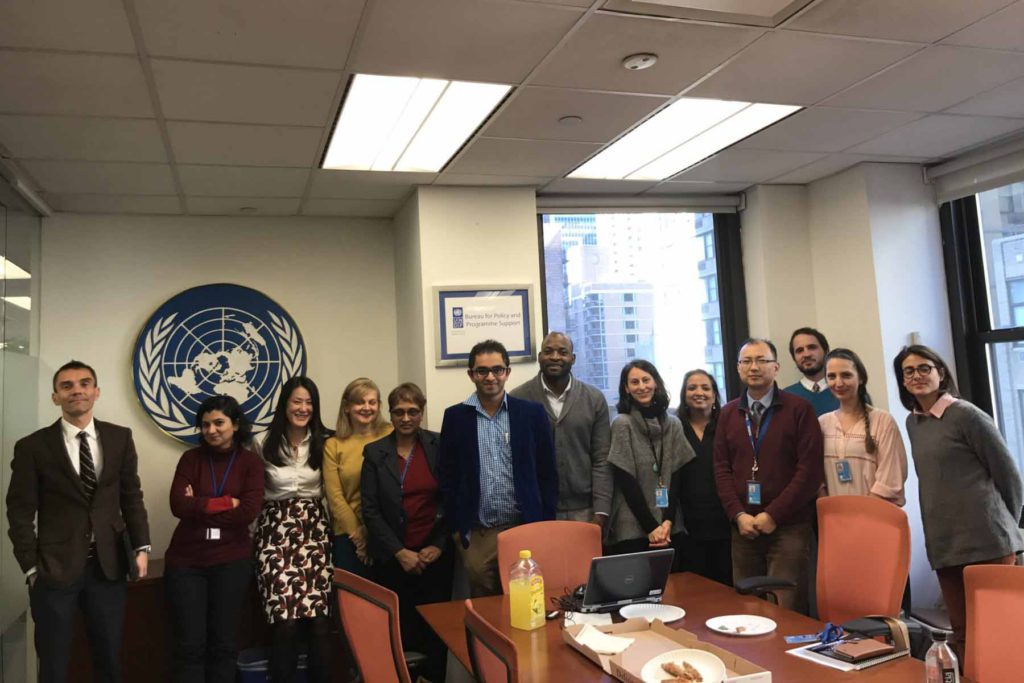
[(216, 493)]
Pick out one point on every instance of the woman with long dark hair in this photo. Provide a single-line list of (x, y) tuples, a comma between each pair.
[(215, 494), (707, 543), (864, 453), (969, 487), (293, 537), (648, 449)]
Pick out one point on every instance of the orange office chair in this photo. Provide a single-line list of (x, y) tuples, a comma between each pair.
[(863, 557), (369, 614), (562, 549), (995, 613), (491, 653)]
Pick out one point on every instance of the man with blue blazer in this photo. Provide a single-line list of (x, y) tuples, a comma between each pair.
[(497, 466)]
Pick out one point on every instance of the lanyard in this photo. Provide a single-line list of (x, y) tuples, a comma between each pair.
[(659, 452), (218, 489), (761, 431), (405, 470)]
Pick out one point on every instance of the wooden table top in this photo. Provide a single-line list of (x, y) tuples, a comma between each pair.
[(543, 656)]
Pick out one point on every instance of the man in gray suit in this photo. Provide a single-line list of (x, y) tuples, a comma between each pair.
[(74, 492), (578, 414)]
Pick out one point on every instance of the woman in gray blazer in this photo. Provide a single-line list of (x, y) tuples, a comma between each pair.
[(406, 534)]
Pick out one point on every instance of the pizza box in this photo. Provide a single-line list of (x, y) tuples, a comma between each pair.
[(652, 639)]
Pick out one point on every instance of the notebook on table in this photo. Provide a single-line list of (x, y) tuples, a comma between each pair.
[(850, 654), (619, 580)]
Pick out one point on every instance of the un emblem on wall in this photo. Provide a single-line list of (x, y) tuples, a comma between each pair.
[(215, 339)]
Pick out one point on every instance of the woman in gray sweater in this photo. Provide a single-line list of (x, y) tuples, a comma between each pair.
[(969, 487)]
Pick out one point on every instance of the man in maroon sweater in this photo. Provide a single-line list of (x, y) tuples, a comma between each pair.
[(768, 469)]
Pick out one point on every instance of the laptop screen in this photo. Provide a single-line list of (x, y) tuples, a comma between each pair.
[(624, 579)]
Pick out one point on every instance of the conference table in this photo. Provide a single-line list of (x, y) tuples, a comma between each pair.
[(544, 656)]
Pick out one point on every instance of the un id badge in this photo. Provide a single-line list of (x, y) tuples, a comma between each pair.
[(213, 534), (753, 493), (843, 471), (661, 497)]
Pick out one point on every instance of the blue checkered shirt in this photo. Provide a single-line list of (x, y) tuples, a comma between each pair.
[(497, 486)]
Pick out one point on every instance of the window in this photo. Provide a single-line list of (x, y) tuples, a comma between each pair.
[(627, 286), (984, 241)]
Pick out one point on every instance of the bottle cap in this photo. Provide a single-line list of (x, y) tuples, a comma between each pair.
[(939, 636), (525, 554)]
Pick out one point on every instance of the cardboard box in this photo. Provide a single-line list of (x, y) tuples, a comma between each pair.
[(649, 641)]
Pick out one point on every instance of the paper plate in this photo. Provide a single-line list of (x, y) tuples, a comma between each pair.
[(710, 667), (743, 625), (651, 611)]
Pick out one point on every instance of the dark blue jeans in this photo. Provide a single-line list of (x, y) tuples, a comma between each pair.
[(205, 604)]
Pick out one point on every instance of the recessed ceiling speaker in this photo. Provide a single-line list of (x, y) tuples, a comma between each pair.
[(640, 61)]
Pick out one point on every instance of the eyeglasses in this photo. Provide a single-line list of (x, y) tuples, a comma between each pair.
[(498, 371), (924, 370), (411, 413), (759, 362)]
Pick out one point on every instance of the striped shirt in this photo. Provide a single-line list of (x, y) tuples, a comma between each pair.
[(497, 486)]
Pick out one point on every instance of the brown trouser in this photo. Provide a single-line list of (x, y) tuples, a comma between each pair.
[(951, 581), (782, 554), (480, 560)]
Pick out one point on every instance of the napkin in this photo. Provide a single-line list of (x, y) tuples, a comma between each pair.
[(602, 643)]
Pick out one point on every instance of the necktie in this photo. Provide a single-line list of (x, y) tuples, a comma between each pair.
[(86, 467), (755, 415), (815, 389)]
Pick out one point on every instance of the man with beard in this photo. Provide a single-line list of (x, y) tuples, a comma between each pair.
[(578, 414), (808, 348)]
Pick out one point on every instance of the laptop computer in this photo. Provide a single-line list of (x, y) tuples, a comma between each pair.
[(617, 580)]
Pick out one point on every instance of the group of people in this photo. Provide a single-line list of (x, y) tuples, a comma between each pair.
[(731, 487)]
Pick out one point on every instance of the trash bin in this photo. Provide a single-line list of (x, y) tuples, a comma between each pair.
[(254, 666)]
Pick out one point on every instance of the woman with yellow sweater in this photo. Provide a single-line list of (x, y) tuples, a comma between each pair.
[(359, 423)]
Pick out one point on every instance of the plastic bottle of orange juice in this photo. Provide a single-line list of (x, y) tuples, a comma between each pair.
[(526, 593)]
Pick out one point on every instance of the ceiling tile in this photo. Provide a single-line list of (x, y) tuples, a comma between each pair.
[(233, 206), (86, 177), (1001, 31), (832, 164), (60, 137), (86, 25), (747, 165), (241, 181), (244, 94), (592, 57), (1006, 100), (460, 39), (938, 135), (112, 203), (568, 3), (826, 130), (226, 144), (366, 184), (46, 83), (522, 157), (789, 67), (534, 114), (677, 187), (595, 186), (316, 33), (924, 21), (366, 208), (471, 179), (933, 79)]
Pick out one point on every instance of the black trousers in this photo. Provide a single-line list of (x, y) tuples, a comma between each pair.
[(433, 585), (54, 608), (204, 605), (711, 558)]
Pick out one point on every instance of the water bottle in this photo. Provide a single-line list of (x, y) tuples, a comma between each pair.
[(526, 593), (940, 665)]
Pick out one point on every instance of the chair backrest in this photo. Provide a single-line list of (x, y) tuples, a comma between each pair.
[(491, 653), (369, 614), (562, 549), (863, 557), (995, 615)]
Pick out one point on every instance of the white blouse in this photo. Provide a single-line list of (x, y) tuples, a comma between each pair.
[(295, 479)]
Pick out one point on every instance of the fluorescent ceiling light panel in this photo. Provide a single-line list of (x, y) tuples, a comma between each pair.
[(684, 133), (20, 301), (394, 123), (12, 271)]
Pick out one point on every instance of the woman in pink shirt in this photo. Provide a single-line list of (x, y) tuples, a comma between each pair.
[(864, 452)]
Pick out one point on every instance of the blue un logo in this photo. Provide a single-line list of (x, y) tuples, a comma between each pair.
[(458, 321), (215, 339)]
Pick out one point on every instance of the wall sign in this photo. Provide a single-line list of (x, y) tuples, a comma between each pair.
[(215, 339), (467, 315)]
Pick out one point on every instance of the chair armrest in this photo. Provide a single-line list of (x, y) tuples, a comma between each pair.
[(760, 585)]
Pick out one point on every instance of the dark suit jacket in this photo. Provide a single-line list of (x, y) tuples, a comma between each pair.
[(44, 483), (534, 472), (381, 495)]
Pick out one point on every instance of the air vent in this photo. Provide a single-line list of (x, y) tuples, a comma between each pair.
[(769, 13)]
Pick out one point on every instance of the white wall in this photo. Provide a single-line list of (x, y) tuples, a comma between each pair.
[(103, 276)]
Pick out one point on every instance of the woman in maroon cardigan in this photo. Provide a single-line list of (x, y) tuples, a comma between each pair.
[(216, 493)]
